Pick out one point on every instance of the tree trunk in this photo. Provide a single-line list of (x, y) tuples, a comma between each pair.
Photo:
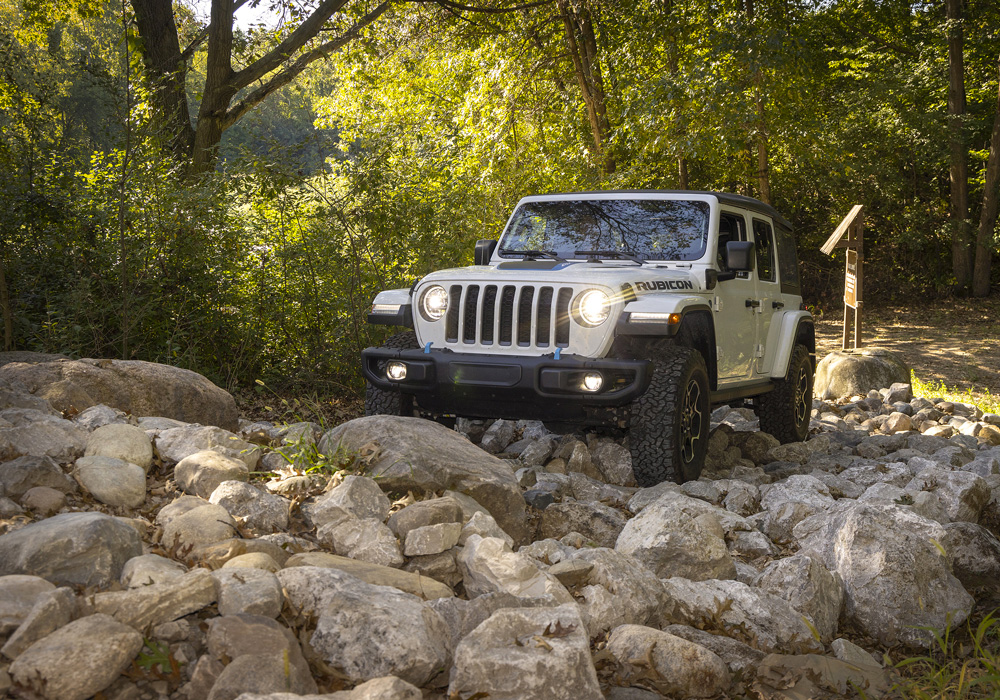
[(582, 44), (682, 173), (961, 249), (165, 71), (219, 90), (763, 167), (988, 216), (8, 317)]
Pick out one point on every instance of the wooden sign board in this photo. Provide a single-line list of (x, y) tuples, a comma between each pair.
[(851, 279)]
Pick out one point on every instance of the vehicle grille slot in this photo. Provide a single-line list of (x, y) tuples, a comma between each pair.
[(507, 315), (562, 316), (524, 315), (489, 314), (454, 308), (543, 326), (469, 317)]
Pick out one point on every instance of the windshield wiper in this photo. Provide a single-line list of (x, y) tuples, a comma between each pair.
[(611, 254), (531, 254)]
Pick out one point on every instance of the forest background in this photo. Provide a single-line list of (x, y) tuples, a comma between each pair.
[(229, 199)]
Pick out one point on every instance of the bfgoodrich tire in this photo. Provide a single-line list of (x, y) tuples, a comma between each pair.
[(385, 402), (784, 411), (669, 424)]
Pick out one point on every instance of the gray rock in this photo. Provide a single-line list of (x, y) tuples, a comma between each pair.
[(200, 473), (974, 553), (140, 388), (594, 521), (422, 513), (98, 416), (112, 481), (739, 657), (423, 456), (174, 444), (897, 582), (314, 564), (538, 452), (42, 501), (816, 676), (497, 436), (740, 498), (792, 500), (441, 567), (431, 539), (367, 631), (851, 653), (614, 462), (360, 496), (259, 640), (254, 560), (26, 431), (680, 536), (617, 590), (18, 595), (963, 494), (484, 525), (98, 648), (369, 540), (503, 657), (846, 374), (752, 545), (159, 602), (736, 610), (259, 673), (9, 509), (899, 391), (191, 522), (19, 475), (260, 512), (809, 588), (682, 668), (52, 610), (87, 549), (489, 566), (148, 569), (121, 441)]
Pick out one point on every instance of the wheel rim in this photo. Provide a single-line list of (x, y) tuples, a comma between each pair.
[(691, 421), (802, 403)]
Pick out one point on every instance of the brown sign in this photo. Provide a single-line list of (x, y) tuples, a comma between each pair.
[(851, 279)]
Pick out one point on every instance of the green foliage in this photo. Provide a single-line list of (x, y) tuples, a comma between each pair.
[(981, 398)]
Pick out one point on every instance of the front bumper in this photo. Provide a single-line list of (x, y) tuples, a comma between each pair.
[(506, 386)]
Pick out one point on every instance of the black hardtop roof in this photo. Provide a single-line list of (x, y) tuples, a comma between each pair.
[(737, 200)]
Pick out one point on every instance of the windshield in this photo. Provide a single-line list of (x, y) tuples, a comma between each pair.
[(652, 229)]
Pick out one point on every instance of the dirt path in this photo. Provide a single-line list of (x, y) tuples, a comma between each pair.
[(955, 341)]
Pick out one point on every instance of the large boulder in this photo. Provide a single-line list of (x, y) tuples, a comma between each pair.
[(898, 582), (72, 549), (141, 388), (25, 431), (422, 456), (843, 373)]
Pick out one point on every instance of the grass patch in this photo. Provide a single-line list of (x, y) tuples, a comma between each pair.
[(958, 667), (984, 399)]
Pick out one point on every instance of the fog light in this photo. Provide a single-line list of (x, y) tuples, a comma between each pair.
[(396, 371), (592, 381)]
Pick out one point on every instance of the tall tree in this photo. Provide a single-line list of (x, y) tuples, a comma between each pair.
[(961, 250), (988, 215)]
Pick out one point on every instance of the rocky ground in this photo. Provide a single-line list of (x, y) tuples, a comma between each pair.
[(146, 557)]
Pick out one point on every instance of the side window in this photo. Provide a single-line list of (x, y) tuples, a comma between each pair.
[(788, 261), (764, 239), (732, 227)]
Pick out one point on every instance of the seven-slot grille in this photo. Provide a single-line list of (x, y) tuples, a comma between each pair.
[(508, 315)]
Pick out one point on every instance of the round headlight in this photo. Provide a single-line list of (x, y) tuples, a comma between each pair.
[(593, 307), (434, 302)]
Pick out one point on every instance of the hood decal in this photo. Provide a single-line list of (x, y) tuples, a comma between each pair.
[(662, 285)]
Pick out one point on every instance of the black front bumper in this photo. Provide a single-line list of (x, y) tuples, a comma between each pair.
[(508, 386)]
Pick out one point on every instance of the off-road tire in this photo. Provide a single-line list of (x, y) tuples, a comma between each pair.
[(785, 410), (669, 423), (386, 402)]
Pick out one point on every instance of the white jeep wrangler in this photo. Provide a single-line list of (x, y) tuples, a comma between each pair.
[(633, 310)]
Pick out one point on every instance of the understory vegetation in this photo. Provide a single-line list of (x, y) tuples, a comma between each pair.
[(388, 155)]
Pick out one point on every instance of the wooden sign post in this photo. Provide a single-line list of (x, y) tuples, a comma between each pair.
[(850, 234)]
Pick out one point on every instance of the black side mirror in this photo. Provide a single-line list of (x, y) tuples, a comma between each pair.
[(740, 256), (484, 250)]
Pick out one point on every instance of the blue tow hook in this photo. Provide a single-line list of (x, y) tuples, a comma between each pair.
[(427, 348), (558, 352)]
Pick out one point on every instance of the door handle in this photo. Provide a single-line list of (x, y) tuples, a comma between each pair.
[(777, 304), (753, 303)]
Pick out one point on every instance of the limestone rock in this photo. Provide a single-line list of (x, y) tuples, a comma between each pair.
[(431, 539), (259, 511), (808, 587), (97, 648), (87, 549), (369, 540), (974, 553), (43, 501), (423, 456), (200, 473), (963, 494), (159, 602), (844, 373), (140, 388), (52, 610), (121, 441), (360, 496), (683, 669), (816, 676), (739, 657), (148, 569), (420, 586), (174, 444), (18, 595), (617, 590), (112, 481), (422, 513), (895, 579), (27, 432), (484, 525), (19, 475), (503, 658), (191, 522), (614, 462), (488, 565)]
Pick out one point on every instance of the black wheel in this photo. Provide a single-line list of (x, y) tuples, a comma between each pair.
[(784, 411), (669, 424), (392, 403)]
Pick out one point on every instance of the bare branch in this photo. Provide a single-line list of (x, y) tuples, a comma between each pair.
[(292, 43), (234, 113)]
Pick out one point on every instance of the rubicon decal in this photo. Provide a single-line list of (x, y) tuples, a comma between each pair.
[(661, 285)]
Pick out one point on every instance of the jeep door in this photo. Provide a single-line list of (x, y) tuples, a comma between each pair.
[(768, 291), (735, 317)]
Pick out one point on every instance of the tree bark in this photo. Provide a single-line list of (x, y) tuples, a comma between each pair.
[(988, 215), (582, 44), (8, 317), (961, 249)]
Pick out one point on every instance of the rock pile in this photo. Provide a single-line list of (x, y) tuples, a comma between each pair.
[(146, 558)]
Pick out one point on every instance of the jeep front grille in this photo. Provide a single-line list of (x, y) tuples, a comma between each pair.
[(508, 315)]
